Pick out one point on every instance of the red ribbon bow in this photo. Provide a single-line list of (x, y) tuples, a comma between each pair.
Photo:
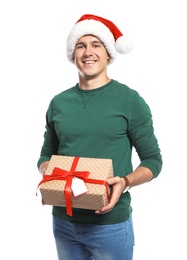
[(61, 174)]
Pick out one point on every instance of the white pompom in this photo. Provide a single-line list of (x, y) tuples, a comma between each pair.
[(123, 45)]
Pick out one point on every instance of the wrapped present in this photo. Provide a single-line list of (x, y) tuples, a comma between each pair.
[(63, 173)]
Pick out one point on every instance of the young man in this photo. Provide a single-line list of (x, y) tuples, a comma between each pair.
[(100, 118)]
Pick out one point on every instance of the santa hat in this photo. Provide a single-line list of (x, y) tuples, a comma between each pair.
[(103, 29)]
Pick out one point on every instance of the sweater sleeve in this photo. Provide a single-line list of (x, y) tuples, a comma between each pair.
[(141, 135), (51, 142)]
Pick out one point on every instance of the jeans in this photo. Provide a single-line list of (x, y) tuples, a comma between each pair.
[(93, 242)]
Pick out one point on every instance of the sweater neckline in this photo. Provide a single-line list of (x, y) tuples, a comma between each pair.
[(95, 90)]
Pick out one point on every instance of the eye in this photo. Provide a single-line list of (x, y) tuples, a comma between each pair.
[(79, 46), (97, 45)]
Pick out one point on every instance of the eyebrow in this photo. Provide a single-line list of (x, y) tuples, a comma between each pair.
[(91, 42)]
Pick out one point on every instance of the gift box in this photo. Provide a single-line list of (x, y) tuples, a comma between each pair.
[(60, 175)]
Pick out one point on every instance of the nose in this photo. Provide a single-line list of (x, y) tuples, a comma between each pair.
[(88, 51)]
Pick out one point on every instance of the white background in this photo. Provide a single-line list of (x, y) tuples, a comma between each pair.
[(34, 67)]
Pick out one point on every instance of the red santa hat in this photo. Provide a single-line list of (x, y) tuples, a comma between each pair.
[(104, 30)]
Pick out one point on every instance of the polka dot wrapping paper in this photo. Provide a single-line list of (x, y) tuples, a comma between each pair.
[(56, 190)]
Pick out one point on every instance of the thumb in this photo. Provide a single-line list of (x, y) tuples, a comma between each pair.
[(113, 180)]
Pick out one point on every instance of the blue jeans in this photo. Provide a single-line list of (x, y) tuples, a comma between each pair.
[(93, 242)]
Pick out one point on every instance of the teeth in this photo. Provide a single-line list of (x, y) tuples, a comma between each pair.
[(89, 62)]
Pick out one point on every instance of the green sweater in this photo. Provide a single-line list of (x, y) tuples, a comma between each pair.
[(101, 123)]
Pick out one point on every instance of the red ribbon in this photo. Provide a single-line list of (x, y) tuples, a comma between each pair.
[(61, 174)]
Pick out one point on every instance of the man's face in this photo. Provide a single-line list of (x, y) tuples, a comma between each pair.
[(90, 56)]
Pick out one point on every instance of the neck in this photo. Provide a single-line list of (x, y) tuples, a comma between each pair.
[(92, 83)]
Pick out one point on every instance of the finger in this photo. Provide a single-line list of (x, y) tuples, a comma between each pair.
[(113, 180), (103, 211)]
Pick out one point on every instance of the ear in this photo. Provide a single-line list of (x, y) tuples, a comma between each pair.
[(108, 54)]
